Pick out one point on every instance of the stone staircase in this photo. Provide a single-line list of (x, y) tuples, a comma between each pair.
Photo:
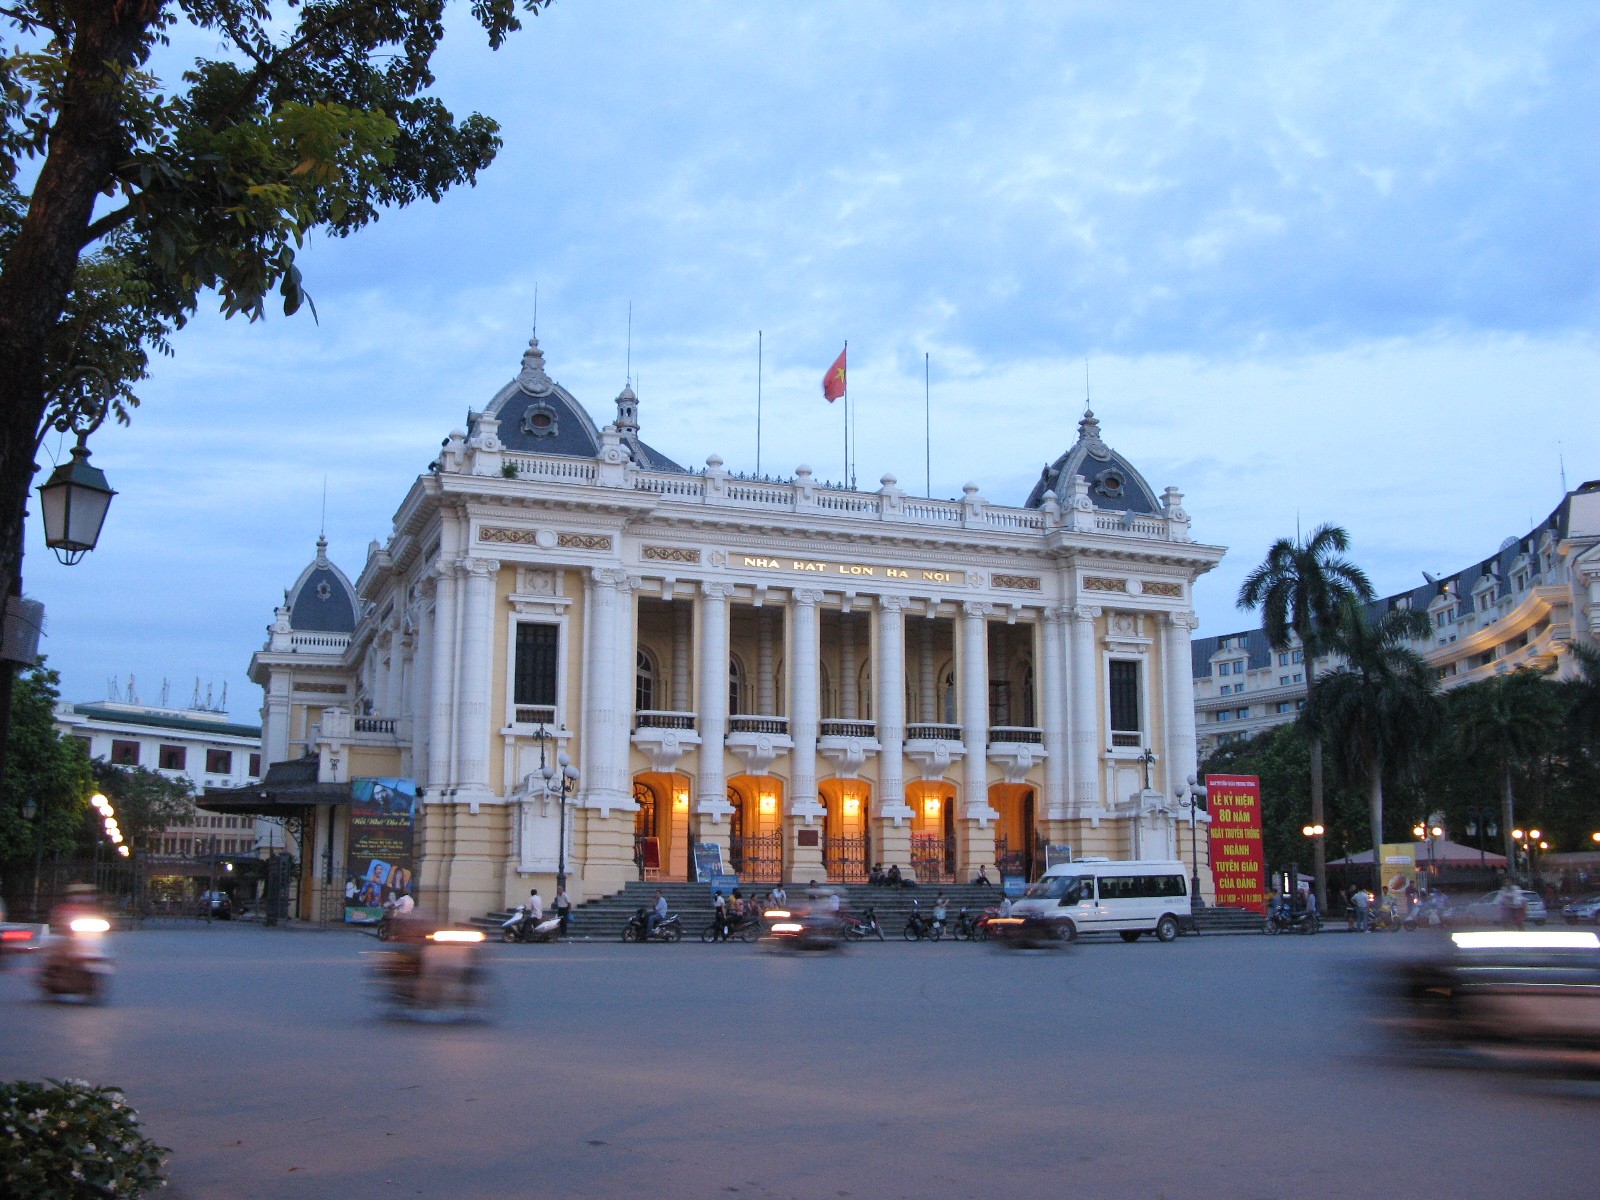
[(602, 919)]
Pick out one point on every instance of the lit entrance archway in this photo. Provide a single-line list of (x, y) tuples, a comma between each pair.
[(846, 844), (755, 828), (933, 830), (1017, 846), (661, 826)]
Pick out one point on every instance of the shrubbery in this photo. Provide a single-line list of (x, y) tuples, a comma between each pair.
[(66, 1140)]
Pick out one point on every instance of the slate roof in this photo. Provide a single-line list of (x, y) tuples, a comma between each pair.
[(321, 600), (187, 724), (1114, 485)]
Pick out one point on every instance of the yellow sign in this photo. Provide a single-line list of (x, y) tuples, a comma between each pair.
[(789, 565)]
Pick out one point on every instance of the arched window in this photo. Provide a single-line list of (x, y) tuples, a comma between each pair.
[(644, 682), (735, 684)]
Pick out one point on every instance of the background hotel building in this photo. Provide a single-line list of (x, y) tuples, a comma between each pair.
[(1517, 608), (812, 677)]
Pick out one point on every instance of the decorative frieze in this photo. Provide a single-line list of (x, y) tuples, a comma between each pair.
[(682, 554), (322, 689), (583, 541), (1104, 583), (508, 537), (1163, 589), (1020, 583)]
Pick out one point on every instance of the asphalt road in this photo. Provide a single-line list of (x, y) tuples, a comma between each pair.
[(1211, 1067)]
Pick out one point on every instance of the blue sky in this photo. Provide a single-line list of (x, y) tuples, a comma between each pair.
[(1326, 261)]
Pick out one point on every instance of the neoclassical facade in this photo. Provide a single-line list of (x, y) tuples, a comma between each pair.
[(810, 677)]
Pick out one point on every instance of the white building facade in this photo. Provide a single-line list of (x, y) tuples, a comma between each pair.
[(1520, 607), (811, 678)]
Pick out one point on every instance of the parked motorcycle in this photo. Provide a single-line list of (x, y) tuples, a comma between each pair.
[(920, 926), (964, 927), (440, 976), (76, 965), (517, 927), (732, 929), (668, 929), (1283, 917), (859, 929)]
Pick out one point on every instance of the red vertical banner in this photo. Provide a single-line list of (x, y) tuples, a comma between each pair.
[(1238, 866)]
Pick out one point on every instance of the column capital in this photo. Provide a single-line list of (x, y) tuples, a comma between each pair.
[(809, 597), (609, 577), (976, 608), (716, 591), (1085, 613), (1182, 620), (892, 603), (482, 568)]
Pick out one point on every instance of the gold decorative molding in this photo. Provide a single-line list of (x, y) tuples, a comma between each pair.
[(1102, 583), (583, 541), (1020, 583), (683, 554), (321, 689), (1162, 589), (510, 537)]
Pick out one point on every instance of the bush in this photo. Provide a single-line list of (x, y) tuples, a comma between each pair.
[(62, 1140)]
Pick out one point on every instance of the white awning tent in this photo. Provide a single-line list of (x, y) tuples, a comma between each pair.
[(1445, 853)]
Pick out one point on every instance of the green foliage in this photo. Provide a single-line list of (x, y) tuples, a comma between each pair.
[(68, 1140), (146, 801), (311, 116), (1300, 585), (1583, 698), (41, 765)]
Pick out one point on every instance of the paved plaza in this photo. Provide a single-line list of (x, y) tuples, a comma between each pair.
[(1212, 1067)]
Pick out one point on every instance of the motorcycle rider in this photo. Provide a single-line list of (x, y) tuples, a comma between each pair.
[(719, 917), (657, 914), (940, 905)]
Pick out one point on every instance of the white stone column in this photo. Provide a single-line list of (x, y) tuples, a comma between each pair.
[(682, 621), (711, 788), (1053, 716), (604, 729), (975, 709), (766, 690), (417, 704), (804, 685), (889, 675), (477, 629), (1178, 671), (849, 667), (441, 681), (1085, 715), (275, 722), (927, 684)]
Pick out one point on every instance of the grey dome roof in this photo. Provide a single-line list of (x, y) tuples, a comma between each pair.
[(321, 600), (1114, 485), (539, 416)]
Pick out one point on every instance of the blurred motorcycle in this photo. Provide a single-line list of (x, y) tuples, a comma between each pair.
[(441, 975), (76, 965)]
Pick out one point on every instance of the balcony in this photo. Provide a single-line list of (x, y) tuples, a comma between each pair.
[(748, 723), (758, 739), (660, 718), (1021, 735), (933, 747), (857, 729), (535, 714), (926, 732), (1016, 750), (847, 744)]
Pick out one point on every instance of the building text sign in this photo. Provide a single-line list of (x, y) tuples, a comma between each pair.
[(788, 564), (1238, 866)]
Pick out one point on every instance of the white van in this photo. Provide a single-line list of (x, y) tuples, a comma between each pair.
[(1096, 895)]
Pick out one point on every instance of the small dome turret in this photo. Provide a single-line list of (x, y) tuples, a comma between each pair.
[(1114, 485), (321, 600)]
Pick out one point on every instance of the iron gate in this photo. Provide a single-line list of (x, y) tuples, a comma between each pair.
[(757, 859), (845, 858), (933, 857)]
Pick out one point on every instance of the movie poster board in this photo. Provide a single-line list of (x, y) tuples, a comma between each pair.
[(1238, 862), (382, 843)]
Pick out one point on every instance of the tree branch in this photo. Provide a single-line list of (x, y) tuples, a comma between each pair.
[(29, 21), (101, 226)]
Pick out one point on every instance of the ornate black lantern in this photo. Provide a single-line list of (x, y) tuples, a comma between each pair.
[(74, 501)]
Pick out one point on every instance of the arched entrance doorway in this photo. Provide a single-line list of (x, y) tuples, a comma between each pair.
[(755, 828), (661, 826), (933, 830), (846, 843), (1017, 846)]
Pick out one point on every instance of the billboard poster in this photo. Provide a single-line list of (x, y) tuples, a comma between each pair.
[(1238, 866), (382, 812), (1399, 866)]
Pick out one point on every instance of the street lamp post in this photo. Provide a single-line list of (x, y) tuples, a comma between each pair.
[(1481, 826), (30, 814), (559, 780), (1189, 795), (1425, 831), (1528, 839)]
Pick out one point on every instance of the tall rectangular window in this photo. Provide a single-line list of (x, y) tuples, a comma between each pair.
[(173, 758), (255, 765), (1124, 696), (535, 669), (125, 754), (219, 762)]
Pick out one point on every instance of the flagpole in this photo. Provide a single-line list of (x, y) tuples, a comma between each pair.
[(927, 428), (758, 402), (846, 480)]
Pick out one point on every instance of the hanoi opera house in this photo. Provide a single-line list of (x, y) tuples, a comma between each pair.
[(811, 677)]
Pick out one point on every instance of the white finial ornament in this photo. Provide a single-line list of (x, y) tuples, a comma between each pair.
[(532, 378)]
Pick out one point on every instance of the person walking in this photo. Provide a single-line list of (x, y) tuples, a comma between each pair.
[(562, 905)]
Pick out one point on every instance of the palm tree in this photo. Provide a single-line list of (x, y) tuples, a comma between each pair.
[(1380, 709), (1583, 711), (1505, 724), (1299, 587)]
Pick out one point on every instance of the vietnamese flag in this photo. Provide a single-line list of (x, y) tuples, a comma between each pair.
[(833, 383)]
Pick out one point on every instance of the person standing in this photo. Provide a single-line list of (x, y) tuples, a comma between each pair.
[(719, 917), (562, 905)]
